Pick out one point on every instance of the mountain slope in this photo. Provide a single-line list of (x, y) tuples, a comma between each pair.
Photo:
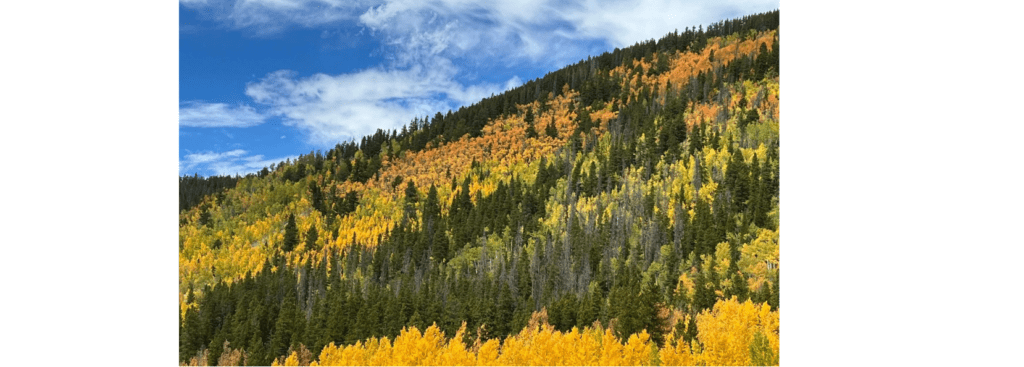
[(636, 189)]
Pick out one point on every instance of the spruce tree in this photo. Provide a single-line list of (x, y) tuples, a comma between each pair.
[(551, 130), (439, 242), (773, 300), (650, 316), (291, 234), (216, 347), (691, 329), (739, 287), (257, 353), (284, 328), (311, 237), (736, 178), (531, 132)]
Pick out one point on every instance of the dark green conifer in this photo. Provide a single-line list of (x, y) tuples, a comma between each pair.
[(291, 234), (311, 237), (551, 130)]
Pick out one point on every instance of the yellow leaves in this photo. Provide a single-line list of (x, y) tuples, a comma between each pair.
[(292, 360), (378, 352), (727, 331), (707, 192), (488, 354), (760, 257), (580, 348), (611, 351), (685, 286), (676, 353), (723, 258), (454, 353), (637, 351), (502, 150)]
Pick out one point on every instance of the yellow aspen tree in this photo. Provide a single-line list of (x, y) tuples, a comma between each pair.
[(488, 353), (637, 351), (383, 355), (727, 331), (454, 352), (611, 351), (676, 353)]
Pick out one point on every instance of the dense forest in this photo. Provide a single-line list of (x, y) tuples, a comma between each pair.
[(621, 210)]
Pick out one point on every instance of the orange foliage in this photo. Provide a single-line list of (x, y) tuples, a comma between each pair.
[(502, 150)]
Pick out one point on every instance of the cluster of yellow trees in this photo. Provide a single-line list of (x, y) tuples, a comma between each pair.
[(731, 334)]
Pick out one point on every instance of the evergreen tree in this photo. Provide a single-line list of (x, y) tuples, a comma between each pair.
[(291, 234), (440, 242), (257, 353), (215, 348), (432, 206), (751, 117), (412, 197), (651, 302), (691, 329), (737, 179), (773, 300), (739, 287), (551, 130), (311, 237), (284, 328), (531, 132)]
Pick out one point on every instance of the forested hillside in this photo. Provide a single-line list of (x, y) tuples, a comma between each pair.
[(621, 210)]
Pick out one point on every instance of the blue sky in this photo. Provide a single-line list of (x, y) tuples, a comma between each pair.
[(261, 81)]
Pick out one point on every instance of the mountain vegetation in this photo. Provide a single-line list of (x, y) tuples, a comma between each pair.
[(621, 210)]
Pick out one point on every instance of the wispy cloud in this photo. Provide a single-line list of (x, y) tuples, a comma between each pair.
[(423, 41), (531, 29), (333, 108), (267, 17), (201, 114), (225, 163)]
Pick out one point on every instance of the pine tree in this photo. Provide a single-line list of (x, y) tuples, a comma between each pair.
[(284, 328), (440, 242), (739, 287), (651, 302), (531, 132), (551, 130), (751, 117), (736, 178), (432, 206), (291, 234), (773, 300), (412, 197), (311, 237), (257, 353), (691, 329)]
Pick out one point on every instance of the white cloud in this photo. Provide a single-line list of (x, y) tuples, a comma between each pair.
[(201, 114), (273, 16), (340, 107), (507, 30), (424, 40), (625, 23), (226, 163)]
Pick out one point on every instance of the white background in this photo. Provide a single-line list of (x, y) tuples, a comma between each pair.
[(900, 195)]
